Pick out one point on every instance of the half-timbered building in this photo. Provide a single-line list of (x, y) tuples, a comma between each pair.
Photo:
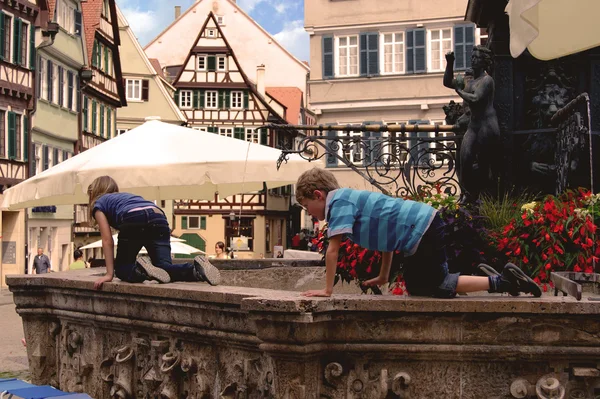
[(55, 125), (217, 96), (103, 92), (18, 21)]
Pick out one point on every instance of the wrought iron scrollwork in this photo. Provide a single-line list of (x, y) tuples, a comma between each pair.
[(399, 160)]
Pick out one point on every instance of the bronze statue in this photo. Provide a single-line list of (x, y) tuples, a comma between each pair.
[(480, 147)]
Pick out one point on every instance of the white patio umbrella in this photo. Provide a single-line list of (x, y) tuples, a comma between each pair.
[(553, 28), (98, 244), (180, 248), (161, 161)]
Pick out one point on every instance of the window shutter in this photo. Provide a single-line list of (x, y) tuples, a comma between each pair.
[(85, 114), (222, 99), (264, 136), (49, 77), (419, 48), (108, 123), (421, 148), (38, 77), (211, 63), (70, 89), (25, 138), (78, 23), (212, 129), (246, 100), (227, 99), (77, 94), (327, 45), (94, 116), (469, 43), (202, 222), (145, 89), (176, 97), (17, 41), (45, 157), (332, 160), (238, 133), (32, 47), (464, 40), (184, 223), (106, 67), (410, 52), (12, 135), (2, 39), (201, 99), (65, 155), (61, 90), (195, 99), (55, 157), (369, 57), (32, 169), (102, 133)]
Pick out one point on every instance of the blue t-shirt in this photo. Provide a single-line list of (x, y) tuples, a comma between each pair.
[(115, 205), (377, 221)]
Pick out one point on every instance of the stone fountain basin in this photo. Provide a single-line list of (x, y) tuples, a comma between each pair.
[(258, 338)]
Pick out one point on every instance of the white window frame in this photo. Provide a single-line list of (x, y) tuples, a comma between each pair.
[(12, 35), (121, 131), (211, 33), (190, 218), (204, 59), (38, 158), (226, 131), (442, 53), (200, 128), (43, 78), (133, 84), (208, 104), (395, 41), (236, 103), (219, 59), (352, 152), (220, 20), (347, 72), (66, 15), (252, 135), (55, 87), (186, 103), (26, 27)]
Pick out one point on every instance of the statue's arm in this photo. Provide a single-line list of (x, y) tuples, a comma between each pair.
[(482, 91), (449, 73)]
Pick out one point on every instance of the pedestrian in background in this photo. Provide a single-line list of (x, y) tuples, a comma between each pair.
[(41, 263)]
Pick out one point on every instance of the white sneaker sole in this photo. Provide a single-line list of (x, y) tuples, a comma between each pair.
[(213, 275), (155, 273)]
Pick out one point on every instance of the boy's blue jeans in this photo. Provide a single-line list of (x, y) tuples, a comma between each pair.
[(147, 228), (426, 271)]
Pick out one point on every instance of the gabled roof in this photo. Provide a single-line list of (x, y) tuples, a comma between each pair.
[(291, 98), (92, 12), (242, 12), (247, 81)]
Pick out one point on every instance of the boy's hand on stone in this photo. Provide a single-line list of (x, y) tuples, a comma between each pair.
[(98, 283), (376, 281), (323, 293)]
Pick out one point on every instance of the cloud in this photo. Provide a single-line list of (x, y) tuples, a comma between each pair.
[(249, 5), (295, 39)]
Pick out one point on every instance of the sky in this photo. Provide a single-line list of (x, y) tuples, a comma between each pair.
[(284, 19)]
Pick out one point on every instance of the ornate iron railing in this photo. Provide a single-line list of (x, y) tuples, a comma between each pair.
[(398, 159)]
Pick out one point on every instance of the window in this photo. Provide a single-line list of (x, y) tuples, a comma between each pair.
[(7, 36), (392, 60), (134, 89), (237, 99), (54, 85), (202, 63), (197, 222), (71, 91), (252, 135), (23, 52), (200, 128), (18, 128), (234, 229), (352, 151), (210, 99), (226, 131), (65, 15), (211, 33), (43, 90), (106, 10), (185, 99), (221, 63), (440, 42), (347, 55), (221, 20), (121, 131)]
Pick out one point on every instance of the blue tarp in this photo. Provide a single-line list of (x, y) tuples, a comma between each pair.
[(23, 390)]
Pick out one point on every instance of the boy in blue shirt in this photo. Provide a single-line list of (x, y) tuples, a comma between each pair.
[(378, 222)]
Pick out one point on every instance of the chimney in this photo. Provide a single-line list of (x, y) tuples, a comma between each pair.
[(177, 12), (260, 79)]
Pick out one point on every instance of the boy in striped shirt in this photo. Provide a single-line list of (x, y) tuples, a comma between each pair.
[(378, 222)]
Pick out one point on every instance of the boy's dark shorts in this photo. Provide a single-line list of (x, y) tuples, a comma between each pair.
[(426, 272)]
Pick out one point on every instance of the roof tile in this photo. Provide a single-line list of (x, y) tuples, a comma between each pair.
[(291, 97)]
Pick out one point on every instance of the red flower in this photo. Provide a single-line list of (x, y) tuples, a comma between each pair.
[(548, 266)]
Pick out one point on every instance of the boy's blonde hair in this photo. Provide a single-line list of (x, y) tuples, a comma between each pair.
[(315, 179), (100, 186)]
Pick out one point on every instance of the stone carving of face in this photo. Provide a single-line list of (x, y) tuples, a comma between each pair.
[(550, 98)]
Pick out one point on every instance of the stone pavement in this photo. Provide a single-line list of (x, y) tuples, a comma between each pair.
[(13, 355)]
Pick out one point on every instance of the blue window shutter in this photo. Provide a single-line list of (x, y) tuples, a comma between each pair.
[(2, 39), (70, 89), (32, 47), (369, 54), (459, 47), (332, 160), (78, 23), (327, 45), (410, 52), (61, 91), (12, 135), (469, 43), (414, 152), (50, 84), (419, 51), (25, 138)]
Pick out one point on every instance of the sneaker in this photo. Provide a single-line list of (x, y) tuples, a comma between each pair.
[(205, 271), (153, 272), (520, 281), (487, 270)]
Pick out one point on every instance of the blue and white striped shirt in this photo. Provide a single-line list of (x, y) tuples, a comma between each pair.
[(377, 221)]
